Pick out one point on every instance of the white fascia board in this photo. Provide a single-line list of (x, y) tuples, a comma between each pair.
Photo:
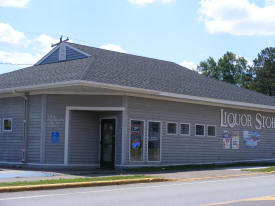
[(217, 101), (139, 91), (15, 90)]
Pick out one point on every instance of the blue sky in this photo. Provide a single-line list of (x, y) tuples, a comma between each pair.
[(182, 31)]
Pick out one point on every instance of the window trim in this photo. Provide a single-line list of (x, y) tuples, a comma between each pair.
[(215, 126), (180, 129), (3, 126), (160, 140), (144, 133), (167, 128), (203, 130)]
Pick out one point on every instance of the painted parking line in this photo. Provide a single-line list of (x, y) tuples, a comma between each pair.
[(264, 198)]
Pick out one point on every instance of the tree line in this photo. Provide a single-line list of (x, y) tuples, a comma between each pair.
[(260, 76)]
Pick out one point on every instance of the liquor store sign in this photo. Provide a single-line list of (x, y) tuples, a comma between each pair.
[(258, 120)]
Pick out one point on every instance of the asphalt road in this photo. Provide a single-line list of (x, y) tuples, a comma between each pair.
[(223, 191)]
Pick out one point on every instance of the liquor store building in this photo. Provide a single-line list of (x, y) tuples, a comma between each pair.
[(81, 106)]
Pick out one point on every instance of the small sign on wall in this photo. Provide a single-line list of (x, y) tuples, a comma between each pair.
[(55, 137), (235, 140), (226, 143), (251, 138)]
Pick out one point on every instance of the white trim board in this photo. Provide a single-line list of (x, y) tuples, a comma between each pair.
[(152, 94)]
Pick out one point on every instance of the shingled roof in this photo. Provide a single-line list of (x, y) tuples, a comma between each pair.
[(133, 71)]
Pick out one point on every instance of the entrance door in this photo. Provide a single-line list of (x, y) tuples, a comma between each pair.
[(107, 143)]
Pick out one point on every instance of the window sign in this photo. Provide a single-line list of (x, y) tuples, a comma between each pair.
[(184, 129), (7, 125), (137, 136), (154, 141)]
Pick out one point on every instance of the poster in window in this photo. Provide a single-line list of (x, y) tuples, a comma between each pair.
[(137, 131), (251, 138), (235, 140), (226, 140)]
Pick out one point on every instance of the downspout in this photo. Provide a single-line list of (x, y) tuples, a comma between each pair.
[(25, 132)]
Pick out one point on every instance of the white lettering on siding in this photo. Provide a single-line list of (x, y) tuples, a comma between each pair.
[(246, 120)]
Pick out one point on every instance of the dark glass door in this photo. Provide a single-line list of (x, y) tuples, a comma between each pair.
[(107, 143)]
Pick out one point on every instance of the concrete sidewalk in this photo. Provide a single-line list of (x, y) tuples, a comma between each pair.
[(16, 175), (20, 175)]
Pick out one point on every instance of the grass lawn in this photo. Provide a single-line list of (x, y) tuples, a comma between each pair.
[(268, 169), (196, 167), (56, 181)]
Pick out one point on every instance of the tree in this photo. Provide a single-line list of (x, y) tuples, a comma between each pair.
[(229, 68), (264, 72)]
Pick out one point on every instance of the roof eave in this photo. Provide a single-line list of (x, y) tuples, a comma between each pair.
[(140, 92)]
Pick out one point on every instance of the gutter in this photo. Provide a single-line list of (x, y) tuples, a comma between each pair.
[(25, 131)]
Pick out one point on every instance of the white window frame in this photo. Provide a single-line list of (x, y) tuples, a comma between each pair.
[(3, 126), (167, 128), (144, 133), (180, 129), (160, 140), (196, 130), (215, 126)]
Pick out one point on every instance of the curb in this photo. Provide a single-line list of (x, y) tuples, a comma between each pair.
[(80, 184)]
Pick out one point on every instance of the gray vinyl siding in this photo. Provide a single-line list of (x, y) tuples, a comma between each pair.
[(11, 143), (53, 58), (72, 54), (177, 149), (83, 138), (55, 120), (34, 129)]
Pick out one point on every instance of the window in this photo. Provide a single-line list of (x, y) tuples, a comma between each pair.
[(184, 129), (199, 130), (7, 124), (171, 128), (137, 136), (211, 130), (154, 141)]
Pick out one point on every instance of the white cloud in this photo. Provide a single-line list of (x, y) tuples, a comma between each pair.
[(18, 57), (14, 3), (33, 49), (113, 47), (45, 41), (144, 2), (189, 65), (238, 17), (9, 35)]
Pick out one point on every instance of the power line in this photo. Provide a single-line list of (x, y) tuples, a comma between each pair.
[(8, 63)]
